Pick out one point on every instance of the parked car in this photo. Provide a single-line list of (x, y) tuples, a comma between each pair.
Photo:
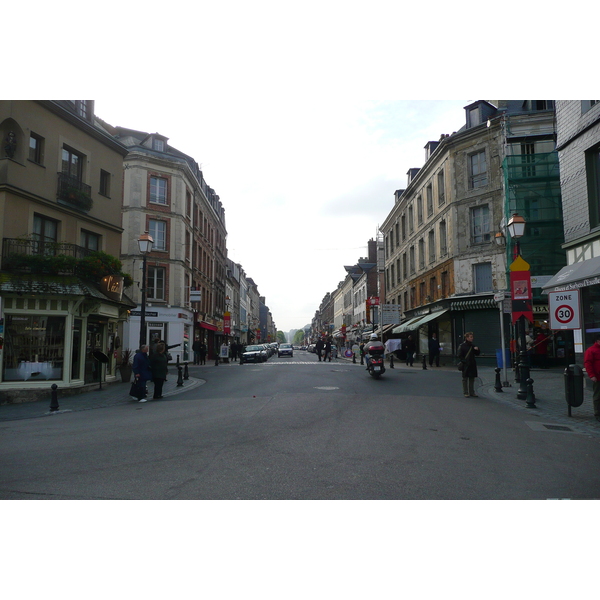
[(255, 354), (311, 348), (285, 350)]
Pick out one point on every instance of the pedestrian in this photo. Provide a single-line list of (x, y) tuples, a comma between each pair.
[(466, 354), (409, 348), (142, 372), (196, 349), (159, 368), (591, 362), (362, 353), (327, 350), (202, 353), (319, 348), (434, 350), (234, 351)]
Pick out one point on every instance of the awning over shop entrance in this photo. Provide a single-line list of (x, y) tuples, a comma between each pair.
[(428, 318), (208, 326), (407, 325), (575, 276)]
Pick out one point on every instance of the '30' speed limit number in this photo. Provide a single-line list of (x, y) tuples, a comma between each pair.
[(564, 310)]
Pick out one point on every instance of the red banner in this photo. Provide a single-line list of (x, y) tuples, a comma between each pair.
[(227, 323), (520, 286)]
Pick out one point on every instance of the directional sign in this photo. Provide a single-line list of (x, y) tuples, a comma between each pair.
[(564, 310)]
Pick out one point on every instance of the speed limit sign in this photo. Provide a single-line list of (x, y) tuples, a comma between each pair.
[(564, 310)]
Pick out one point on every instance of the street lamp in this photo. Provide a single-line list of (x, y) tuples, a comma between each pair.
[(145, 244), (516, 228)]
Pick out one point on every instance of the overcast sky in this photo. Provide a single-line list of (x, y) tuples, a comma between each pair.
[(297, 114), (305, 184)]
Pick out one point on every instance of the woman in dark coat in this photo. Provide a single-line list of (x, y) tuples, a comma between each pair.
[(467, 353), (158, 364), (142, 372)]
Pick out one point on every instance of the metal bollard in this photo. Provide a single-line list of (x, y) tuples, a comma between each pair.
[(392, 360), (54, 398), (517, 373), (179, 376), (530, 394), (186, 373), (424, 362), (498, 385)]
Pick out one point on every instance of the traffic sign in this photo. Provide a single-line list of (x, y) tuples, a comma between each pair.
[(564, 310)]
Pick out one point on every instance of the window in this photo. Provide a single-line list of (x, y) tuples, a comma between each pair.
[(443, 239), (592, 165), (474, 116), (441, 188), (105, 183), (480, 224), (432, 289), (392, 275), (89, 240), (188, 204), (158, 145), (482, 275), (155, 289), (429, 200), (398, 271), (422, 292), (412, 259), (477, 170), (410, 218), (45, 231), (421, 253), (82, 109), (587, 104), (528, 159), (158, 232), (419, 210), (431, 243), (72, 163), (158, 190), (397, 235), (444, 284), (36, 148), (403, 222), (404, 269)]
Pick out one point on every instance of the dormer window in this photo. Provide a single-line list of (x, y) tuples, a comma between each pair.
[(474, 116), (158, 144)]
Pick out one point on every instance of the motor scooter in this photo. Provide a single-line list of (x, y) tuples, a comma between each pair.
[(376, 364)]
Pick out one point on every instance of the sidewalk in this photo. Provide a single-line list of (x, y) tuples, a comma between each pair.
[(111, 394), (548, 389)]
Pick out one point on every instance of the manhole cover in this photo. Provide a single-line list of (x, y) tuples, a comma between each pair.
[(558, 427), (327, 387)]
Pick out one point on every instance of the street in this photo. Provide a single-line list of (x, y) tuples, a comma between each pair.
[(294, 428)]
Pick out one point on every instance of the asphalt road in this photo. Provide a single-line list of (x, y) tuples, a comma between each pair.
[(300, 429)]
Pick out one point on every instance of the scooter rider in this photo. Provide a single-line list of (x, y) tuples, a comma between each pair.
[(374, 346)]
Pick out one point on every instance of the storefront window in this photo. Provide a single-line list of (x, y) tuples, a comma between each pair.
[(34, 348)]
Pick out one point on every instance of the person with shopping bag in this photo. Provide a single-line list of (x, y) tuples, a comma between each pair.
[(142, 374)]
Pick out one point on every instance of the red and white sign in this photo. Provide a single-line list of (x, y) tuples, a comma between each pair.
[(227, 322), (564, 310)]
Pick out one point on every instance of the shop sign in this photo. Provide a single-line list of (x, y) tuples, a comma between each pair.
[(112, 287)]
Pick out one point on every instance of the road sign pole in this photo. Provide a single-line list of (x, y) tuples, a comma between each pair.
[(502, 343)]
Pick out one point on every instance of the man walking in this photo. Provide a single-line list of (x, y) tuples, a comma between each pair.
[(434, 350), (591, 362), (409, 348)]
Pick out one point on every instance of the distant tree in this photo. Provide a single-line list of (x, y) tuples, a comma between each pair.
[(281, 337), (299, 337)]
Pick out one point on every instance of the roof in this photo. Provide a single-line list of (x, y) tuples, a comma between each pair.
[(62, 285)]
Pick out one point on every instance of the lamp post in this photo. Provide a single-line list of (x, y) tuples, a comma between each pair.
[(516, 228), (145, 242)]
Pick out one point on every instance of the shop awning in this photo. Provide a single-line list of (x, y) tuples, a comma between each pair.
[(575, 276), (208, 326), (407, 325), (429, 317)]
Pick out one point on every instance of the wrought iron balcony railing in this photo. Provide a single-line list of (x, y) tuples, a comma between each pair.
[(74, 192), (41, 256)]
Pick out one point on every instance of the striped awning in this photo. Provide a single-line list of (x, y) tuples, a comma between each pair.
[(474, 304)]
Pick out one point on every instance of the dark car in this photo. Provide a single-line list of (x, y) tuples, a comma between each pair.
[(285, 350), (255, 354)]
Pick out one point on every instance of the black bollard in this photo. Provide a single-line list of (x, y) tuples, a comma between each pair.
[(54, 398), (354, 358), (517, 373), (424, 362), (530, 394), (179, 376), (498, 385), (392, 360), (186, 373)]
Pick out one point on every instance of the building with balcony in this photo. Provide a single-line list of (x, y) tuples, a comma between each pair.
[(61, 284)]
